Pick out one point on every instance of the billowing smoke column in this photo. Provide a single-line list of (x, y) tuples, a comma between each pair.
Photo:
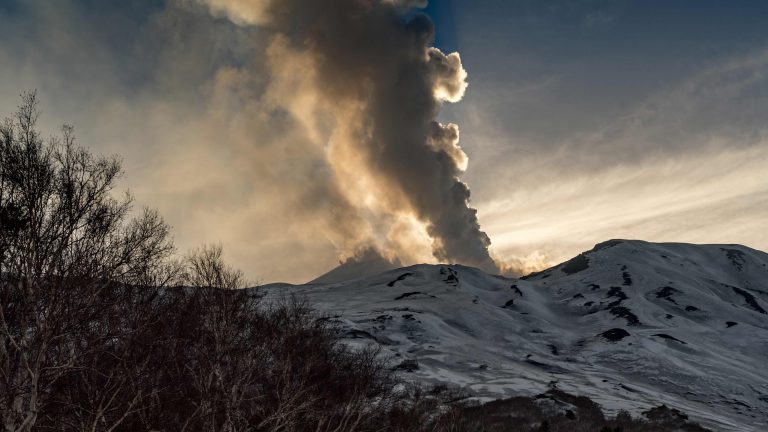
[(361, 76)]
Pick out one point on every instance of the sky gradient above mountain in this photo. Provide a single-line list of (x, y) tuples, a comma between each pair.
[(582, 121)]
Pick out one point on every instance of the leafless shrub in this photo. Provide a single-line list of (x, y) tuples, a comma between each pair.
[(64, 243), (206, 268)]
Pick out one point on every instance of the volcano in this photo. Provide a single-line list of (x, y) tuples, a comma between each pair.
[(630, 324)]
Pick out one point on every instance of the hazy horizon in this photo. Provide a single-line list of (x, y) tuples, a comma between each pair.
[(581, 122)]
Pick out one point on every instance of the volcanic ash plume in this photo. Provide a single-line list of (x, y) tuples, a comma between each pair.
[(361, 78)]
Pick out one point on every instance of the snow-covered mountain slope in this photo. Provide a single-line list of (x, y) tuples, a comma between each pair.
[(630, 324)]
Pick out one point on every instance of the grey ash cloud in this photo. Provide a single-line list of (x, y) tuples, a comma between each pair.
[(374, 71)]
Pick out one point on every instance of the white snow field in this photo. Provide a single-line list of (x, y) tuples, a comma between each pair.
[(629, 324)]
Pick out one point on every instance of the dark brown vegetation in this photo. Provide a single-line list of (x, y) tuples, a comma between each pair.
[(101, 329), (557, 411)]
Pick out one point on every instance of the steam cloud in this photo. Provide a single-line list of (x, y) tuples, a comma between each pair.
[(367, 87), (239, 129)]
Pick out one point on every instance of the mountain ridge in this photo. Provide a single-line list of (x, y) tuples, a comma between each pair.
[(631, 324)]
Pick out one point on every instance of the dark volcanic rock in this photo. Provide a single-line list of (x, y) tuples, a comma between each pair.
[(408, 294), (622, 312), (668, 337), (618, 294), (736, 257), (750, 299), (625, 276), (575, 265), (666, 293), (399, 278), (615, 334), (452, 278)]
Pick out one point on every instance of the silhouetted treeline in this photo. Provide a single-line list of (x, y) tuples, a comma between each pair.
[(102, 329)]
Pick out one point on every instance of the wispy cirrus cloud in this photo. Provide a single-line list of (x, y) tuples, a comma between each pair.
[(686, 164)]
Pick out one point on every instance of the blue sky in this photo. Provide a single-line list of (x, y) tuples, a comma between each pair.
[(604, 55)]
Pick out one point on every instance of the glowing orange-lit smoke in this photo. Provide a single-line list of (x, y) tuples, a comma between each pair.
[(363, 81)]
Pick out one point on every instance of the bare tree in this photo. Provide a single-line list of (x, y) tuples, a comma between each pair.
[(205, 267), (64, 240)]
